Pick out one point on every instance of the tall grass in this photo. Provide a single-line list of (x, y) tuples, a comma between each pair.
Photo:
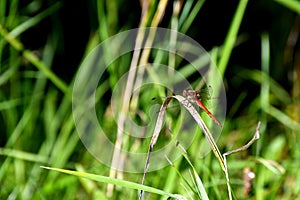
[(37, 125)]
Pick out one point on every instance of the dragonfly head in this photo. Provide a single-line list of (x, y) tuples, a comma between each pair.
[(191, 95)]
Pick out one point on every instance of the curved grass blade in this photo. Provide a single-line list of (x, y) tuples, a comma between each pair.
[(158, 126), (199, 121), (114, 181), (202, 125)]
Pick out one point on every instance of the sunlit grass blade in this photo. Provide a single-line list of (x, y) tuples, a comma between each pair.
[(105, 179), (90, 186)]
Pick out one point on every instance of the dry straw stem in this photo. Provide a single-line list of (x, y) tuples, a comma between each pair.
[(135, 77), (208, 135), (158, 126), (246, 146)]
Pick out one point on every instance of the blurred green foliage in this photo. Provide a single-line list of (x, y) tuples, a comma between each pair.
[(42, 44)]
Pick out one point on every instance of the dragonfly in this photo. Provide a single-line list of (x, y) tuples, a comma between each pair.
[(195, 97)]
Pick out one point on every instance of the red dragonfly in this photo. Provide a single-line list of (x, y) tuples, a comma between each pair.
[(195, 97)]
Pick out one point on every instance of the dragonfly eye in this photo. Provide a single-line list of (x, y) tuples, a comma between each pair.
[(185, 92)]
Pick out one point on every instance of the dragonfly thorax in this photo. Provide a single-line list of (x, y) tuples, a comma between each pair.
[(191, 95)]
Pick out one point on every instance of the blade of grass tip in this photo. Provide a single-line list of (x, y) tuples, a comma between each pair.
[(105, 179), (89, 186), (177, 5), (158, 126), (232, 36)]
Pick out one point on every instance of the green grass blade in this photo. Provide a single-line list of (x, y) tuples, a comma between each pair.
[(291, 4), (232, 35), (105, 179), (47, 72), (34, 20), (198, 182), (32, 58), (187, 17), (23, 155)]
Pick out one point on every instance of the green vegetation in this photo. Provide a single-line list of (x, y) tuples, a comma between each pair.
[(44, 43)]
